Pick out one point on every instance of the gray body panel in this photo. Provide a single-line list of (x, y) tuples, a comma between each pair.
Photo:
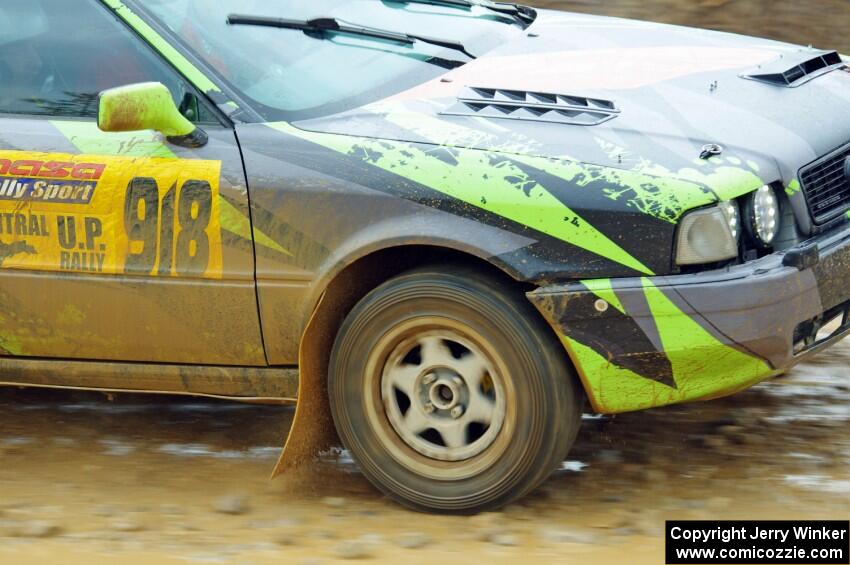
[(323, 223)]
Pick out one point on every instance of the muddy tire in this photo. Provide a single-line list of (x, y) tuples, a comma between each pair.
[(450, 392)]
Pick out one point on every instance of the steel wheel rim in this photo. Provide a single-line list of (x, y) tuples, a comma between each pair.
[(445, 364)]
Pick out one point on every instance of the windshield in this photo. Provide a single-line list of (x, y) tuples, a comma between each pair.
[(292, 74)]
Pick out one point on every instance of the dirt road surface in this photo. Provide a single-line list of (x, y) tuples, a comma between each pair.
[(821, 23), (86, 478)]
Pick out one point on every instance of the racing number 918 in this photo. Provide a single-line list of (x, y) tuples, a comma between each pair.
[(151, 222)]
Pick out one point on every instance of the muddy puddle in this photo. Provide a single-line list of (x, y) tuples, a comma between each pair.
[(91, 478)]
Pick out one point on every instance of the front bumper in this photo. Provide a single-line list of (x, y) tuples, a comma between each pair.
[(650, 341)]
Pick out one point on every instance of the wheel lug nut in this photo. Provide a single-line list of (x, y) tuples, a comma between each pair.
[(429, 408), (429, 378), (457, 412), (458, 382)]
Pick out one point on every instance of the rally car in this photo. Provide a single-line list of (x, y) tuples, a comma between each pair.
[(439, 225)]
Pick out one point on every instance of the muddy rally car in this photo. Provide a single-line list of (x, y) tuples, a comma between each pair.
[(440, 225)]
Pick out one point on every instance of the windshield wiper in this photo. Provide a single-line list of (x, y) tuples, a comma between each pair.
[(324, 25), (522, 13)]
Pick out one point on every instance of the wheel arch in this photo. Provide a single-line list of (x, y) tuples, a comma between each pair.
[(335, 295), (372, 255)]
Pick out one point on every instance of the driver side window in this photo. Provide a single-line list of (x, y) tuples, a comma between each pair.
[(54, 61)]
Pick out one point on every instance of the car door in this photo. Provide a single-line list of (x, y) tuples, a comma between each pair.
[(114, 246)]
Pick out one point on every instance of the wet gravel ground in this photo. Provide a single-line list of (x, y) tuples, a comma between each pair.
[(90, 478)]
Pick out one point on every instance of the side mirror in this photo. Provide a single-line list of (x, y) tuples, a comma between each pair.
[(145, 106)]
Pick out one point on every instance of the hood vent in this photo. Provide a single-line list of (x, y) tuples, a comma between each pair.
[(532, 106), (794, 69)]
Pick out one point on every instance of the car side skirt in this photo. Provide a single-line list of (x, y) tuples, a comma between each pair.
[(257, 384)]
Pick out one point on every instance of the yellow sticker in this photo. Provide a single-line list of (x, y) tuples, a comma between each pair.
[(110, 215)]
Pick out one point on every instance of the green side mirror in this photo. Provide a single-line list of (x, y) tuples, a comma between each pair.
[(145, 106)]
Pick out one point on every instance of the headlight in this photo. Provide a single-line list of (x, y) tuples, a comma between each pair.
[(762, 211), (733, 217), (709, 235)]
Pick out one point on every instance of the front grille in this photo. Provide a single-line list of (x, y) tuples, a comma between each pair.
[(826, 185)]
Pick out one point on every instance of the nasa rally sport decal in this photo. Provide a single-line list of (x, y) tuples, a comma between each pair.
[(109, 215)]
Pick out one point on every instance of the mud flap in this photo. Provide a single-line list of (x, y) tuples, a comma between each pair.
[(313, 428)]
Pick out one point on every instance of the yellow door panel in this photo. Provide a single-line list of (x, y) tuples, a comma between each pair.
[(110, 215)]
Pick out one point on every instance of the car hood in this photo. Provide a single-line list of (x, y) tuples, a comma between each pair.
[(673, 90)]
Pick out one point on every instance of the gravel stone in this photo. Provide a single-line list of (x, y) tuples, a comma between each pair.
[(504, 539), (326, 534), (286, 537), (124, 525), (233, 504), (413, 540), (334, 501), (487, 525), (39, 529), (556, 535), (353, 549), (290, 522), (731, 430), (716, 442)]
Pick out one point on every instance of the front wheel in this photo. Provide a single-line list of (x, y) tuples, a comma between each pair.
[(451, 393)]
